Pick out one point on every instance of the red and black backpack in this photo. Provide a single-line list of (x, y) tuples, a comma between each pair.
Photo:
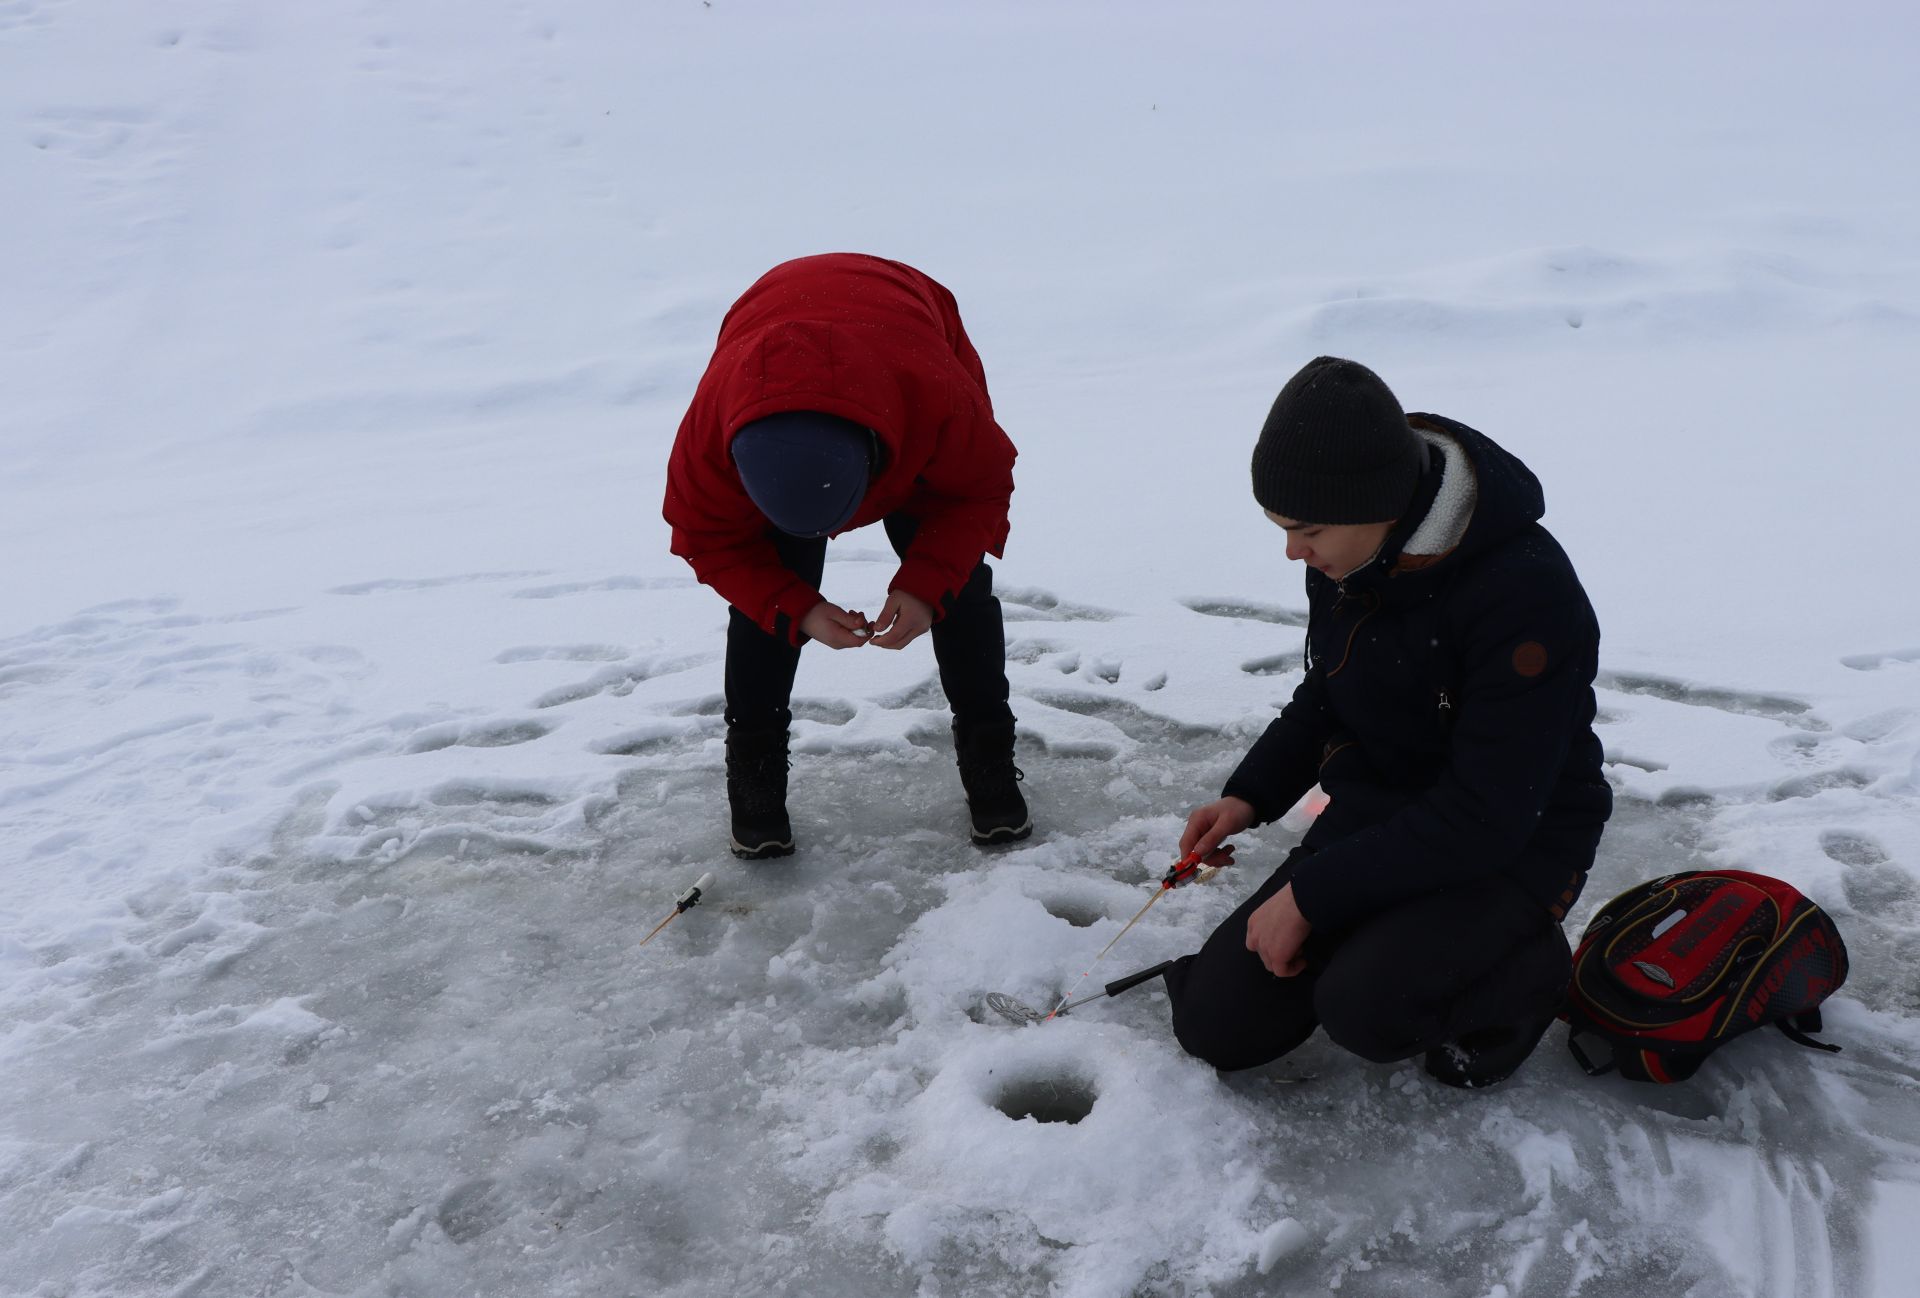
[(1673, 969)]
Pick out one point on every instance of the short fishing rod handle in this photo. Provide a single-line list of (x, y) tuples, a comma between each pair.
[(1133, 980), (691, 897)]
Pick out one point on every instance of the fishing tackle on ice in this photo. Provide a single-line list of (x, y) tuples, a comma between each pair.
[(1187, 869), (688, 900)]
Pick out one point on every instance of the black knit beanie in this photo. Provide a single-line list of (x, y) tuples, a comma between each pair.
[(1336, 448)]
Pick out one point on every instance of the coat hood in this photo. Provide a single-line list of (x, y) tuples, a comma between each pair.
[(1508, 497), (1473, 496), (795, 365), (858, 337), (867, 340)]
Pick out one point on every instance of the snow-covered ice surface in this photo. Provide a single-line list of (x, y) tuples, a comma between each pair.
[(355, 723)]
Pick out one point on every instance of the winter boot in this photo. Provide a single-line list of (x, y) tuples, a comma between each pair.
[(757, 794), (1486, 1057), (992, 781)]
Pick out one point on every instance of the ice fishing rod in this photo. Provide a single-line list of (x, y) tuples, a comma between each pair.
[(1187, 869), (1009, 1008), (688, 900)]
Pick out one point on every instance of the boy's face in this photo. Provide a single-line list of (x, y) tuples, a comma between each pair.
[(1336, 549)]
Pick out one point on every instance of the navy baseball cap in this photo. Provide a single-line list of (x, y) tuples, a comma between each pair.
[(807, 472)]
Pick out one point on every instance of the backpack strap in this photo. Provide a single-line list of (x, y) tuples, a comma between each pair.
[(1587, 1063), (1797, 1027)]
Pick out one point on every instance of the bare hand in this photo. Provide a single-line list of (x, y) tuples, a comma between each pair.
[(834, 626), (1276, 931), (902, 621), (1210, 826)]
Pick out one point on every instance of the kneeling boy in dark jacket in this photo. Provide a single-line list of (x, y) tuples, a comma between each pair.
[(1447, 713)]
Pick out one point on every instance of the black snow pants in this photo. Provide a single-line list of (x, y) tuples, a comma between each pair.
[(969, 644), (1390, 987)]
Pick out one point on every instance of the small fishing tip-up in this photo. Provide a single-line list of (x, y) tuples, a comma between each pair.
[(687, 901)]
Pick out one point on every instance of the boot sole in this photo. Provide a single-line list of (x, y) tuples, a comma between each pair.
[(1005, 834), (764, 852)]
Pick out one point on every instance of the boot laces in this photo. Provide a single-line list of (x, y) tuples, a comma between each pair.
[(759, 781), (992, 777)]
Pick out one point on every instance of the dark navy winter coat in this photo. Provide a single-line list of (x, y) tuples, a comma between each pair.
[(1447, 708)]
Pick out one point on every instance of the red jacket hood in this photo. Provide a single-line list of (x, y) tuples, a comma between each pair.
[(869, 340)]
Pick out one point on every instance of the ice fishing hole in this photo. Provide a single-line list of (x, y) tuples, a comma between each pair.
[(1046, 1099), (1077, 911)]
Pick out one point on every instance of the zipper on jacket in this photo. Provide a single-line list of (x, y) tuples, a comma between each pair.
[(1371, 602)]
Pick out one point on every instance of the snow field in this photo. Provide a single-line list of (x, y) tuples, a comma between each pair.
[(401, 1007), (355, 723)]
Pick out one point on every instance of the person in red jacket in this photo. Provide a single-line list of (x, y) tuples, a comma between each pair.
[(843, 391)]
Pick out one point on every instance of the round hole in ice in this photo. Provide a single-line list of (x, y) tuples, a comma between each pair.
[(1077, 911), (1046, 1099)]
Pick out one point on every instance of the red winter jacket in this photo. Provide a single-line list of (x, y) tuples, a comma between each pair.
[(870, 340)]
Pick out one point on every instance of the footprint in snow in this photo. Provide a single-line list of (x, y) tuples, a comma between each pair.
[(1852, 849), (1029, 652), (1774, 707), (1807, 786), (157, 606), (1875, 886), (1031, 604), (504, 799), (1884, 898), (1028, 745), (572, 653), (1881, 726), (336, 655), (1086, 750), (1130, 719), (408, 841), (1279, 664), (491, 734), (386, 585), (620, 681), (1803, 748), (1248, 611), (1102, 668), (89, 134), (1874, 662), (19, 14), (471, 1209), (19, 676), (659, 738), (826, 712), (714, 705), (605, 584)]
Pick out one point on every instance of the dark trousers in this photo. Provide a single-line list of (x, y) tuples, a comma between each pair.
[(969, 644), (1391, 987)]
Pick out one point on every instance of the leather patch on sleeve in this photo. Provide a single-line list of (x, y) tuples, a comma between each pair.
[(1530, 659)]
